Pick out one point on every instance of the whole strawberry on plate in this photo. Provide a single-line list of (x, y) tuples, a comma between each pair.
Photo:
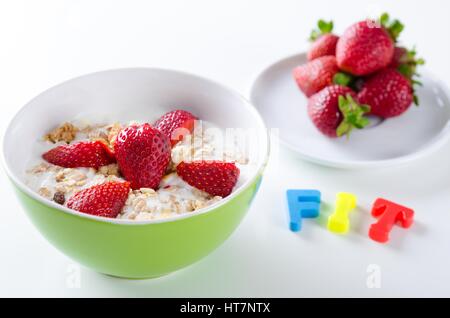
[(315, 75), (105, 199), (388, 93), (176, 124), (89, 154), (407, 62), (368, 46), (143, 154), (323, 40), (214, 177), (335, 112)]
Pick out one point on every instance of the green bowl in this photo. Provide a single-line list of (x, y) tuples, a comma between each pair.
[(123, 248)]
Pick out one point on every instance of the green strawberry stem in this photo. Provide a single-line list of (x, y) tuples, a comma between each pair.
[(349, 80), (353, 114), (409, 63), (323, 27), (408, 67), (394, 27), (343, 79)]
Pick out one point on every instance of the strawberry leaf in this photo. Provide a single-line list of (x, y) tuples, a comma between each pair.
[(393, 27), (353, 115), (416, 100), (323, 27), (408, 68), (343, 79), (384, 19)]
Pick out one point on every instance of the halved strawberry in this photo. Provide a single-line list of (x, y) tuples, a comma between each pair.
[(105, 199), (143, 153), (176, 124), (217, 178), (93, 154)]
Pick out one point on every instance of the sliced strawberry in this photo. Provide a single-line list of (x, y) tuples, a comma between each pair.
[(143, 153), (105, 199), (92, 154), (214, 177), (176, 124)]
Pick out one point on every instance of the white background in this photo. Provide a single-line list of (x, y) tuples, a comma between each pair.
[(46, 42)]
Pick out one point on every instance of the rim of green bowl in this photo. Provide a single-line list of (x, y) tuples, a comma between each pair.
[(258, 171)]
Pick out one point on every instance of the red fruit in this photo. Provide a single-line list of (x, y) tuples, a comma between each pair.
[(400, 57), (388, 93), (364, 48), (143, 153), (176, 124), (105, 199), (334, 111), (92, 154), (315, 75), (407, 62), (214, 177), (323, 46)]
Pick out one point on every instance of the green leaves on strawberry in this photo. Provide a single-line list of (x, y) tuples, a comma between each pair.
[(323, 27), (353, 115), (343, 79), (394, 27), (407, 62), (335, 112)]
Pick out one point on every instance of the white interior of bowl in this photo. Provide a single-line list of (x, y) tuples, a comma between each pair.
[(124, 95)]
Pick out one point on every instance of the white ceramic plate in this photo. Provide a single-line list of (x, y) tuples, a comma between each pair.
[(398, 140)]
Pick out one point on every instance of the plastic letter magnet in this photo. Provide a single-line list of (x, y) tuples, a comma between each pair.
[(339, 222), (302, 204), (389, 213)]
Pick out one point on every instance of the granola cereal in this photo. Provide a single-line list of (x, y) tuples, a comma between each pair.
[(65, 132)]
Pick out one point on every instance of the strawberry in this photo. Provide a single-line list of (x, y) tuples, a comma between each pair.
[(143, 154), (323, 41), (388, 93), (335, 112), (214, 177), (364, 48), (105, 199), (315, 75), (176, 124), (406, 62), (400, 57), (92, 154)]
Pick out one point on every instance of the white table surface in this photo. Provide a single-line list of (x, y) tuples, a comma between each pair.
[(46, 42)]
